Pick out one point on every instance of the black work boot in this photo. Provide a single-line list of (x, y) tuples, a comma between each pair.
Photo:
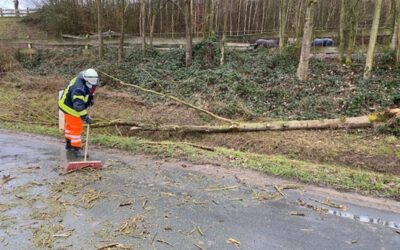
[(77, 152), (68, 144)]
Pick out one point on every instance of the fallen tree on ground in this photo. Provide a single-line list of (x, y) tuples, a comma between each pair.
[(236, 126)]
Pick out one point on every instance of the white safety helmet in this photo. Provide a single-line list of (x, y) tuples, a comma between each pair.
[(91, 76)]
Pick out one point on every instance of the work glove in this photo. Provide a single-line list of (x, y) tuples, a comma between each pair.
[(87, 119), (91, 100)]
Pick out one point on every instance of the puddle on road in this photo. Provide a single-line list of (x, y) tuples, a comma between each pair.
[(366, 219)]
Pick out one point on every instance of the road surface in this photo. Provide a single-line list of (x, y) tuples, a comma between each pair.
[(146, 202)]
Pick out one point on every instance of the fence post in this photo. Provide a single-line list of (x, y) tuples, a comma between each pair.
[(86, 51), (29, 42), (27, 11), (1, 12)]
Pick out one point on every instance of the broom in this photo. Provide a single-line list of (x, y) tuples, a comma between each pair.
[(73, 166)]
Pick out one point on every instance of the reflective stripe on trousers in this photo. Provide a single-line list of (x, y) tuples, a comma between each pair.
[(73, 129)]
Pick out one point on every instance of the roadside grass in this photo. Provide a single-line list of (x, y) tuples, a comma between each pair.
[(338, 177)]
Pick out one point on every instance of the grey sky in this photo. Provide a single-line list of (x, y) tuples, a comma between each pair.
[(9, 4)]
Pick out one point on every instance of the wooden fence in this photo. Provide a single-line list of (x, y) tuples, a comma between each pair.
[(16, 13)]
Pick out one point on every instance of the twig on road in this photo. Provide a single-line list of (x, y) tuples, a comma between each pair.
[(222, 188)]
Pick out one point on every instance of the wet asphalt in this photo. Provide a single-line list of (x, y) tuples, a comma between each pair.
[(145, 202)]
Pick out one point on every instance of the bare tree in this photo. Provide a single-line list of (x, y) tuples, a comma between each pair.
[(341, 30), (238, 18), (264, 5), (143, 23), (393, 44), (208, 18), (372, 39), (300, 21), (155, 8), (99, 28), (391, 19), (188, 29), (283, 8), (302, 70), (224, 32), (353, 13), (231, 19), (172, 19), (398, 34), (122, 31), (245, 16)]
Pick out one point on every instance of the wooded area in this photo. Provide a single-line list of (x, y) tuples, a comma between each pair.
[(166, 17), (351, 23)]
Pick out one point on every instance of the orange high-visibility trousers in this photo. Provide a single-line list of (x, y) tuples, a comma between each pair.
[(73, 130)]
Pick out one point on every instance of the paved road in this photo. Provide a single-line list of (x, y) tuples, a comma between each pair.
[(148, 203)]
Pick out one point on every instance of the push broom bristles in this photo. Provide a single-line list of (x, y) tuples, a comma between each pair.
[(73, 166)]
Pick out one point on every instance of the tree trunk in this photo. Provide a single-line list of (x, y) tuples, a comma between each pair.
[(283, 7), (155, 8), (393, 44), (188, 29), (173, 20), (372, 39), (161, 19), (194, 18), (99, 28), (121, 39), (398, 34), (212, 17), (209, 18), (263, 15), (250, 15), (216, 15), (391, 19), (143, 24), (341, 30), (254, 23), (340, 123), (223, 40), (331, 11), (245, 17), (238, 19), (300, 23), (302, 70), (231, 19), (352, 29)]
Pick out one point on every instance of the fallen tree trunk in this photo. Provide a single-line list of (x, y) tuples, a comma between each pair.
[(339, 123), (345, 123)]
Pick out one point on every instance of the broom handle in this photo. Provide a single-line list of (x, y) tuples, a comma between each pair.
[(87, 139)]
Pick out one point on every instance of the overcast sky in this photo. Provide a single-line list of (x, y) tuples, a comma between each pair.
[(9, 4)]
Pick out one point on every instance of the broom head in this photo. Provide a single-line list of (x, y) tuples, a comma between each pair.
[(73, 166)]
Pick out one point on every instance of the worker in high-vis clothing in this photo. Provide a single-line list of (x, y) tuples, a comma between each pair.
[(77, 97)]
